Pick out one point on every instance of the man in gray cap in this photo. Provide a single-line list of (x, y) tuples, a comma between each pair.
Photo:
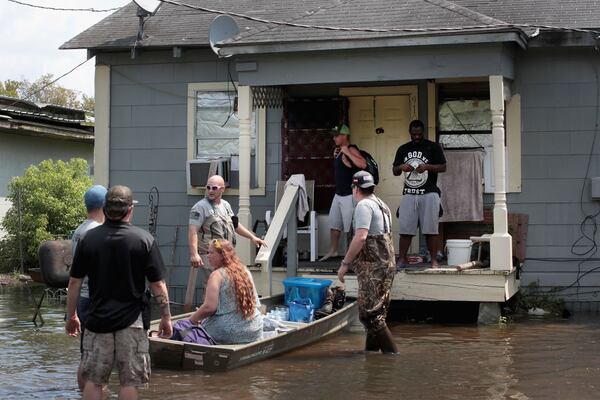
[(371, 256), (118, 258), (94, 202)]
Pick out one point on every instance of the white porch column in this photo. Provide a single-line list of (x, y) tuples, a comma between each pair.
[(501, 241), (102, 125), (244, 246)]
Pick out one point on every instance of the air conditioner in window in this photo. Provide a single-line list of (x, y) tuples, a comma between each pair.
[(198, 171)]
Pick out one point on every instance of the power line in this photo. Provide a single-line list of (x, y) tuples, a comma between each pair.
[(29, 95), (63, 9), (379, 30)]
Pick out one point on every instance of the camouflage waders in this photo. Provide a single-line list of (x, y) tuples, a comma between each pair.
[(375, 268)]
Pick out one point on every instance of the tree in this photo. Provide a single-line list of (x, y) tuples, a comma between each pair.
[(10, 88), (46, 204), (43, 91)]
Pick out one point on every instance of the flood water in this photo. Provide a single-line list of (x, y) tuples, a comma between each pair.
[(532, 359)]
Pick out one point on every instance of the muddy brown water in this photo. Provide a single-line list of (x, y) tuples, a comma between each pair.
[(531, 359)]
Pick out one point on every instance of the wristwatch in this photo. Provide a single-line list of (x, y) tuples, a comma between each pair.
[(346, 263)]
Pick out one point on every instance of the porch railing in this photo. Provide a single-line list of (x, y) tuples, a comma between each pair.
[(285, 217)]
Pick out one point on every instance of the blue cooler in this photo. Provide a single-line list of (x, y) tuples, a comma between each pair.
[(303, 288)]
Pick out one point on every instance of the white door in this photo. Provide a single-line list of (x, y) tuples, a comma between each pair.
[(379, 125)]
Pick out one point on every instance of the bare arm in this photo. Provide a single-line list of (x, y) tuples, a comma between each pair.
[(195, 259), (211, 298), (161, 296), (358, 241), (354, 155), (243, 231), (72, 325)]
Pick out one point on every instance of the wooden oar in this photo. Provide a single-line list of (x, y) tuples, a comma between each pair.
[(191, 289)]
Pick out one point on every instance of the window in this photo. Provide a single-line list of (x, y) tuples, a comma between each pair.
[(465, 123), (213, 132), (217, 126)]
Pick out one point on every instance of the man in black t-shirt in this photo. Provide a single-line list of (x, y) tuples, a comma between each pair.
[(117, 258), (420, 160), (347, 160)]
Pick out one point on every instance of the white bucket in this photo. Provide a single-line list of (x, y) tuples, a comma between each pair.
[(459, 251)]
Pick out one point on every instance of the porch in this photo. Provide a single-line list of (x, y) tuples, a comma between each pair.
[(378, 116), (490, 287)]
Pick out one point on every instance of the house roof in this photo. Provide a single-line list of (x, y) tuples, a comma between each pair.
[(560, 13), (390, 18), (174, 25), (25, 117)]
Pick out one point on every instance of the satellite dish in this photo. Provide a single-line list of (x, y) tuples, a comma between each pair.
[(223, 27), (149, 6)]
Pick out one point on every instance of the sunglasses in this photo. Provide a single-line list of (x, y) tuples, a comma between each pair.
[(209, 187)]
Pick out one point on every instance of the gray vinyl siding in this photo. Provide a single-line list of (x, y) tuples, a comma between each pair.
[(559, 92), (17, 152), (148, 144)]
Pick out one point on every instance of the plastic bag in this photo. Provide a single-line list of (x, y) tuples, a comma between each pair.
[(301, 310)]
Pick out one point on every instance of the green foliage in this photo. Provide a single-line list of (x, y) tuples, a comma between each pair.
[(42, 91), (49, 196), (10, 88)]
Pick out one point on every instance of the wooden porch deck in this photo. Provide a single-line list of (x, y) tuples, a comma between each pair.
[(423, 283)]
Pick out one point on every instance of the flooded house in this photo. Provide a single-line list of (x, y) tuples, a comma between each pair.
[(508, 88)]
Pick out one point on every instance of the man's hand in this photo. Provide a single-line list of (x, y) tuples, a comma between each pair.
[(196, 261), (259, 242), (342, 271), (422, 168), (73, 326), (406, 168), (165, 328)]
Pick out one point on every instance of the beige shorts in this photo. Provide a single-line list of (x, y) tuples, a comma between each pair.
[(340, 213), (126, 349)]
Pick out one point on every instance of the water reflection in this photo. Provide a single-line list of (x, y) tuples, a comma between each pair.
[(534, 359)]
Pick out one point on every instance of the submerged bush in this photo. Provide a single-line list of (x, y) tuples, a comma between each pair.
[(46, 204)]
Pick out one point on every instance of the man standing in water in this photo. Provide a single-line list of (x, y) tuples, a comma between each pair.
[(346, 161), (371, 254), (117, 257), (94, 202), (421, 160)]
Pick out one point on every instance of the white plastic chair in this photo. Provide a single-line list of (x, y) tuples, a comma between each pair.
[(311, 227)]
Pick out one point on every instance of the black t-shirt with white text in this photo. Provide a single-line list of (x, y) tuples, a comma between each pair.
[(117, 258), (415, 154)]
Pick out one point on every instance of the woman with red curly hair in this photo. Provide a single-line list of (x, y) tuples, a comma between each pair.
[(230, 312)]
